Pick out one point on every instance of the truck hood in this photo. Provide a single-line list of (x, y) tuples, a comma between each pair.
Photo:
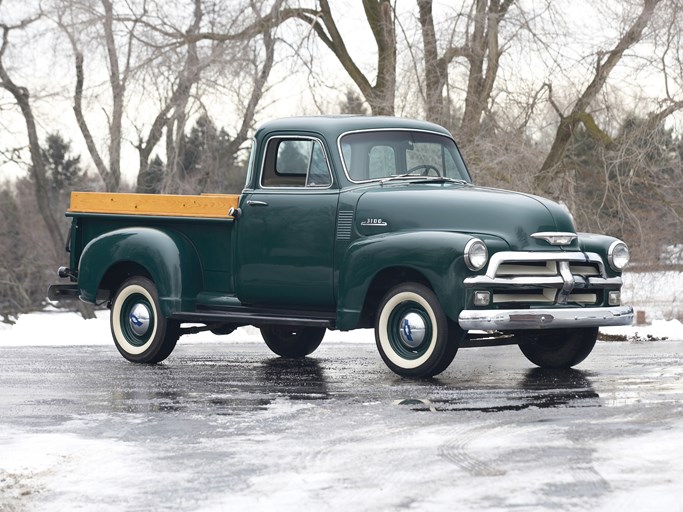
[(510, 216)]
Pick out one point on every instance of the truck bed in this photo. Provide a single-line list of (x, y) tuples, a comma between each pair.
[(204, 220)]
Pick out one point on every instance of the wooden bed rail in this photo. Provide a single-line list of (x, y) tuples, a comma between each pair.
[(205, 205)]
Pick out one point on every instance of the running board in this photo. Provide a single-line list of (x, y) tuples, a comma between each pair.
[(256, 317)]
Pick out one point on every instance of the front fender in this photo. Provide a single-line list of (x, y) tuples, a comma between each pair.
[(168, 257), (437, 255), (599, 244)]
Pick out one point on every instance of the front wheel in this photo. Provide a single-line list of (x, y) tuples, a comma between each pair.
[(141, 333), (292, 341), (559, 349), (412, 332)]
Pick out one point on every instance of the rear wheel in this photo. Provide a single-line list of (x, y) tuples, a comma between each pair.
[(292, 341), (141, 333), (561, 348), (412, 332)]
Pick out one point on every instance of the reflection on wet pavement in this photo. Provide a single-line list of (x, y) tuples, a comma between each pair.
[(162, 388), (540, 388)]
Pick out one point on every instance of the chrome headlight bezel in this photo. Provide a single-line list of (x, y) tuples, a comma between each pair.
[(476, 254), (618, 255)]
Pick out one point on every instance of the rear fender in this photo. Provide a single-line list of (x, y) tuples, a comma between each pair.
[(169, 258)]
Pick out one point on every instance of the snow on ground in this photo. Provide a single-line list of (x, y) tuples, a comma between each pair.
[(51, 328), (659, 294)]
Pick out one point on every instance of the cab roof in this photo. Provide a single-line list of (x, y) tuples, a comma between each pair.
[(331, 127)]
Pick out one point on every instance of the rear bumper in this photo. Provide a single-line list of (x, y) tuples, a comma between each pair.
[(513, 319), (62, 292)]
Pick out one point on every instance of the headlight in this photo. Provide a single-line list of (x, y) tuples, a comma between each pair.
[(476, 254), (618, 255)]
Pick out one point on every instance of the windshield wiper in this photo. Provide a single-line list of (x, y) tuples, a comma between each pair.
[(433, 179)]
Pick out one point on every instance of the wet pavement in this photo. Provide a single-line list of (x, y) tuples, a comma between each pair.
[(230, 427)]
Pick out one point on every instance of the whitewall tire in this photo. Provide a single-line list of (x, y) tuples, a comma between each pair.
[(412, 332), (141, 333)]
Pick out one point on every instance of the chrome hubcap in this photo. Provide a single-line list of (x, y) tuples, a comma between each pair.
[(139, 319), (412, 330)]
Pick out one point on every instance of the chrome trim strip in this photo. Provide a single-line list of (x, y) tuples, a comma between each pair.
[(496, 282), (513, 319), (568, 284), (549, 236), (499, 258), (542, 282), (611, 282)]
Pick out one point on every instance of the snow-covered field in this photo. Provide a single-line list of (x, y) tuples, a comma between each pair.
[(659, 295), (50, 328)]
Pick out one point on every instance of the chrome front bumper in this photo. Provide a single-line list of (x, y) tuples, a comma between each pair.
[(513, 319)]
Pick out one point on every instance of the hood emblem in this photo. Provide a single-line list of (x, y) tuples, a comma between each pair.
[(373, 222), (556, 238)]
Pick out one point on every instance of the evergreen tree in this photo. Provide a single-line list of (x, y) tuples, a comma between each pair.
[(153, 178), (353, 104), (63, 169), (209, 161)]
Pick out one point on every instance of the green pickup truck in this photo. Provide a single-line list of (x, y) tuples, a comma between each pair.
[(345, 223)]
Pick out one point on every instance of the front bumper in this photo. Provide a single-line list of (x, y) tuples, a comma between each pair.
[(515, 319)]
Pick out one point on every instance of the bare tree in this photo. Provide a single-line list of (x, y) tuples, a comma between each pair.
[(381, 19), (37, 168), (72, 18), (605, 64), (482, 51), (22, 97), (120, 71), (173, 113), (227, 56)]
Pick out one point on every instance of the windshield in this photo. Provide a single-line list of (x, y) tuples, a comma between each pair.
[(377, 155)]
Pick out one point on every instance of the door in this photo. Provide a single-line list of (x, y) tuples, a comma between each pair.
[(285, 237)]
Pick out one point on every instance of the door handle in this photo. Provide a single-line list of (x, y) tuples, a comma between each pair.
[(257, 203)]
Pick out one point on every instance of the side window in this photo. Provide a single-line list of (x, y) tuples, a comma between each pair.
[(250, 165), (318, 173), (450, 165), (382, 162), (292, 157), (295, 163)]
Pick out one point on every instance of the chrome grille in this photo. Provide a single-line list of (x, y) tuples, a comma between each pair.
[(545, 277)]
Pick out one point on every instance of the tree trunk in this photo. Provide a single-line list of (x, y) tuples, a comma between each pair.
[(118, 89), (435, 74), (380, 17), (38, 173), (483, 56)]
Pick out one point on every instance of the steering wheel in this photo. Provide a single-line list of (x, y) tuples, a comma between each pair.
[(428, 168)]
